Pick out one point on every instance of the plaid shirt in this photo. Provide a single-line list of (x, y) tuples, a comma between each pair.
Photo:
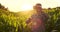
[(36, 22)]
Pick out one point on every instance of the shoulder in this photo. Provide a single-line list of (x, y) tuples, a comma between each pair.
[(33, 15), (44, 13)]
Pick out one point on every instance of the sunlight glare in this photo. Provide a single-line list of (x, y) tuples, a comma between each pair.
[(26, 7)]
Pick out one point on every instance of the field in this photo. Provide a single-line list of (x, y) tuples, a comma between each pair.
[(16, 21)]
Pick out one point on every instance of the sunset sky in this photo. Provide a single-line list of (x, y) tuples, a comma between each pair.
[(19, 5)]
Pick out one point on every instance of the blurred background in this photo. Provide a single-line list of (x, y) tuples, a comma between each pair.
[(14, 13)]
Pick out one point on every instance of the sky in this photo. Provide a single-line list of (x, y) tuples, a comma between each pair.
[(19, 5)]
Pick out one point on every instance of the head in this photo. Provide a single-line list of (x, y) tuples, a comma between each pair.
[(38, 7)]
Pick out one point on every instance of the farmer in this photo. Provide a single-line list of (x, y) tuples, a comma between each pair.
[(37, 20)]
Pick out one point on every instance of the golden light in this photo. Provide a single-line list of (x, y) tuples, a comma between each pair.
[(26, 7)]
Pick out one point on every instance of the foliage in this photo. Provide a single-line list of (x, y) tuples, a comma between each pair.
[(15, 22)]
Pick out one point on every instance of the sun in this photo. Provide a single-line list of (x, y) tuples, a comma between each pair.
[(26, 7)]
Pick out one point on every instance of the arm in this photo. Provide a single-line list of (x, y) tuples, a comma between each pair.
[(28, 21), (46, 17)]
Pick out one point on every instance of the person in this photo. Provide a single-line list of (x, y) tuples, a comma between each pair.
[(37, 20)]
